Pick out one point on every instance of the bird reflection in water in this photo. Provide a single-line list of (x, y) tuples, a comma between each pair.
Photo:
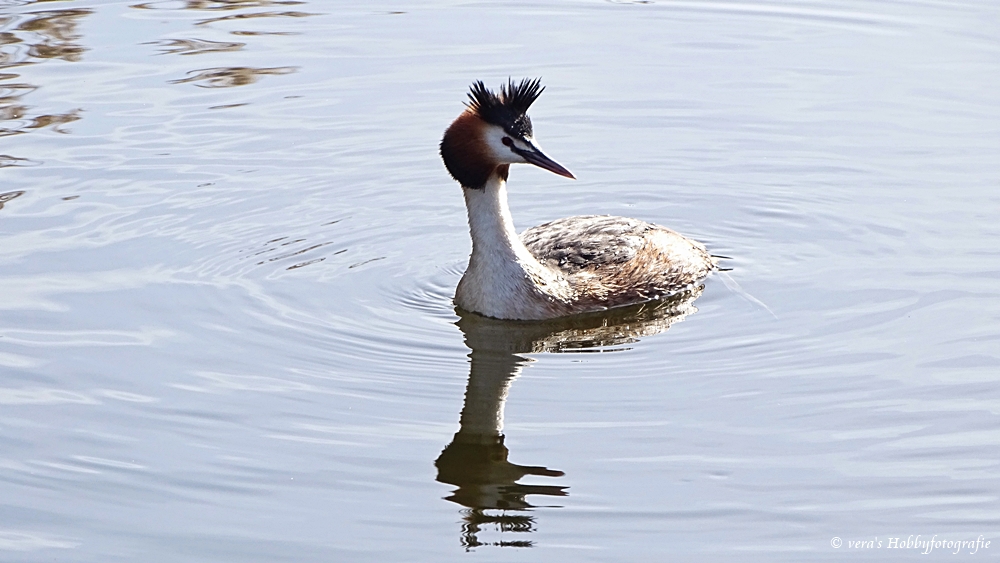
[(476, 460)]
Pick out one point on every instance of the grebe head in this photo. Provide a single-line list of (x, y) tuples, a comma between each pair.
[(494, 132)]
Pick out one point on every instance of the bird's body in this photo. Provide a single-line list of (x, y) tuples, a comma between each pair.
[(568, 266)]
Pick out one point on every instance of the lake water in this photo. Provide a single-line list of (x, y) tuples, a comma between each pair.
[(228, 249)]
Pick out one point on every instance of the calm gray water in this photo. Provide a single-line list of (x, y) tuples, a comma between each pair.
[(228, 249)]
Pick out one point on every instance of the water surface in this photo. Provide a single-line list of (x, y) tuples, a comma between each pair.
[(229, 248)]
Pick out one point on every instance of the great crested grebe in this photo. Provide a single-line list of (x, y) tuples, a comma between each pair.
[(568, 266)]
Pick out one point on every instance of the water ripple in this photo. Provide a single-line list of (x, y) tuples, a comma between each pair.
[(11, 540)]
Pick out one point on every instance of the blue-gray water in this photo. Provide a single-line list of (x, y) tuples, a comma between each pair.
[(228, 249)]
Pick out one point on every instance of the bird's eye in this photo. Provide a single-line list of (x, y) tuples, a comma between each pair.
[(507, 142)]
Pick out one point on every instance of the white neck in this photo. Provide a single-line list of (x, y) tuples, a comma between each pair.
[(491, 225), (503, 279)]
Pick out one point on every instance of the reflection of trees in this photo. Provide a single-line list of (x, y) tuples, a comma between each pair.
[(8, 55), (224, 77), (222, 5), (230, 5), (57, 30), (4, 198), (31, 39), (7, 161), (14, 118), (255, 15), (476, 460), (229, 77), (196, 46), (14, 113)]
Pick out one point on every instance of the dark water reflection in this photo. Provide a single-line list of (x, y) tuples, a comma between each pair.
[(229, 77), (30, 39), (476, 460), (213, 5), (196, 46), (5, 197), (57, 34), (7, 161), (254, 16)]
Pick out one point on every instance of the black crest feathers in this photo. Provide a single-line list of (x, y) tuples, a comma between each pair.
[(507, 109)]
